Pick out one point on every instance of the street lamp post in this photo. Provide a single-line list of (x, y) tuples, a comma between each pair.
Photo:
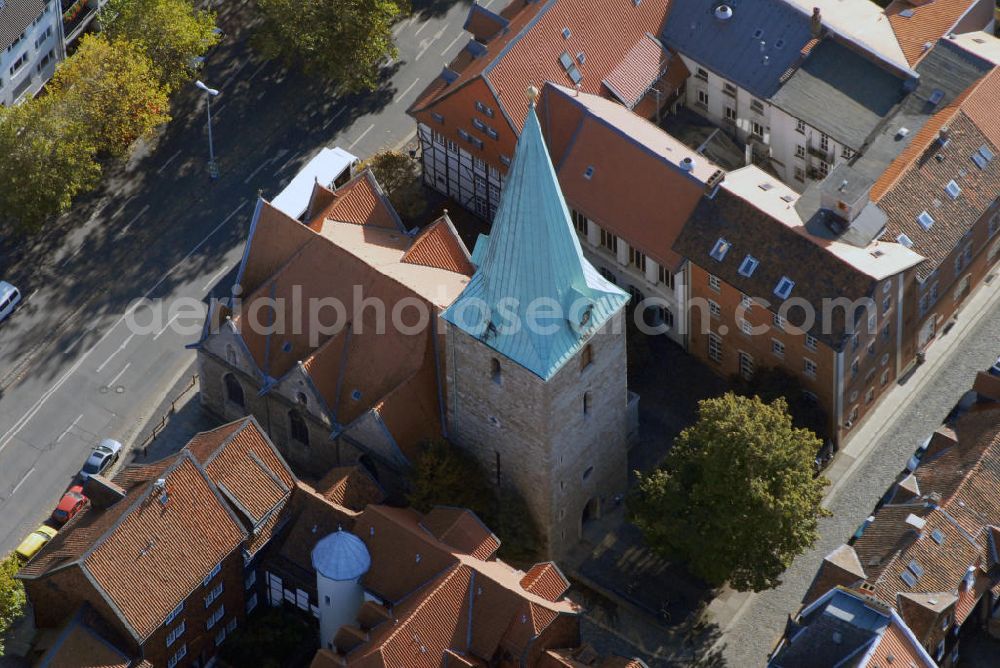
[(213, 169)]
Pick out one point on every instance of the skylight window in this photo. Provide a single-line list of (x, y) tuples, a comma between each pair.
[(566, 60), (758, 33), (908, 578), (788, 198), (915, 568), (589, 172), (581, 57), (926, 220), (566, 33), (784, 287), (936, 96), (985, 151), (953, 189), (748, 266), (780, 43), (938, 536), (765, 186), (574, 74), (720, 249), (905, 240), (980, 161)]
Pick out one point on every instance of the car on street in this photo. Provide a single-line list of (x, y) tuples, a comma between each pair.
[(101, 458), (70, 504), (995, 369), (10, 297), (35, 541)]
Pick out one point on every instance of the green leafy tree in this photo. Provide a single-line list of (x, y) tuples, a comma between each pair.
[(11, 596), (393, 170), (173, 33), (48, 158), (773, 383), (112, 89), (444, 475), (736, 498), (341, 40)]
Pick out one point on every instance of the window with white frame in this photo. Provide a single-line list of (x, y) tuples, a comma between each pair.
[(746, 365), (799, 174), (703, 98), (730, 114), (714, 309), (215, 617), (729, 89), (211, 574), (846, 153), (701, 73), (664, 276), (800, 151), (213, 595), (173, 613), (756, 129), (609, 241), (178, 655), (800, 126), (885, 377), (810, 367), (811, 342), (176, 633), (579, 221), (746, 301), (714, 282), (778, 321), (746, 327), (756, 106), (870, 395), (824, 142), (714, 347), (637, 259), (777, 347)]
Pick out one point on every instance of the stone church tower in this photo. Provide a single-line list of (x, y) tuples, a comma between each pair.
[(535, 356)]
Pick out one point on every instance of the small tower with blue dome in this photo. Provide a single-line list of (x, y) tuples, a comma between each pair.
[(341, 560)]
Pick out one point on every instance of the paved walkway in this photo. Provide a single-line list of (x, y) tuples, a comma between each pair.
[(866, 466)]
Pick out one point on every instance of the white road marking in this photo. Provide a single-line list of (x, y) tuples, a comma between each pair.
[(121, 209), (77, 340), (436, 37), (117, 350), (71, 255), (31, 412), (167, 163), (165, 327), (402, 26), (259, 167), (257, 71), (32, 295), (70, 427), (212, 281), (408, 89), (137, 216), (422, 26), (453, 42), (285, 164), (18, 485), (334, 117), (120, 374), (361, 136), (218, 112)]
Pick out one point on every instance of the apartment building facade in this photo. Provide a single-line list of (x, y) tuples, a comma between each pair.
[(31, 39)]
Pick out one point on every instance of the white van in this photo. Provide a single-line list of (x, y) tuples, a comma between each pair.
[(10, 297)]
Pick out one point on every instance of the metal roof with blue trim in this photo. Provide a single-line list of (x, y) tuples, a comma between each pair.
[(341, 556), (534, 297)]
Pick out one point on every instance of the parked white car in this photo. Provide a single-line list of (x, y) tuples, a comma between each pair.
[(10, 297)]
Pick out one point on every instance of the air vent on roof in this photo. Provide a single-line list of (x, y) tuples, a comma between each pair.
[(356, 395), (926, 220), (687, 164), (566, 33), (936, 96), (902, 132), (780, 43), (748, 266), (720, 249), (952, 189), (758, 33), (905, 240), (723, 12)]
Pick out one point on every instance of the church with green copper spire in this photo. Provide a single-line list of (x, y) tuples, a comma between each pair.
[(535, 362)]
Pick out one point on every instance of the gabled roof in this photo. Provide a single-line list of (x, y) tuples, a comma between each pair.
[(78, 645), (918, 24), (617, 168), (15, 17), (438, 245), (546, 580), (529, 49), (733, 48), (360, 201), (644, 63), (533, 254), (350, 486), (462, 530)]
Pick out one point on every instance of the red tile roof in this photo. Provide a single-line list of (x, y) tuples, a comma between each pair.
[(438, 245), (79, 646), (546, 580), (644, 63), (351, 487), (360, 201), (529, 51), (460, 529), (924, 23)]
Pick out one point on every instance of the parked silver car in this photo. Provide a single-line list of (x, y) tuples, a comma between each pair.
[(103, 456), (10, 297)]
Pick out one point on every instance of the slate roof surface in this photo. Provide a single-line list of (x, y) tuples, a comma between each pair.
[(15, 17), (533, 253), (840, 92), (923, 23), (732, 48)]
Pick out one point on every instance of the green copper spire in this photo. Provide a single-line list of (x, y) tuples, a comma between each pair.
[(534, 298)]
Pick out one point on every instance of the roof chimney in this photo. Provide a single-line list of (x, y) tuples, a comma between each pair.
[(944, 134), (816, 23)]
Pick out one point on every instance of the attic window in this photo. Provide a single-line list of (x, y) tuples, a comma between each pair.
[(908, 578), (565, 60), (748, 266), (915, 568), (574, 74), (953, 189), (581, 57), (589, 172), (720, 249), (982, 157), (936, 96), (758, 33), (784, 287), (906, 13), (780, 43), (566, 33), (938, 536), (905, 240), (926, 220)]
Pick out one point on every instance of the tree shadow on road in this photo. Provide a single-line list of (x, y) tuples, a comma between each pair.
[(424, 10)]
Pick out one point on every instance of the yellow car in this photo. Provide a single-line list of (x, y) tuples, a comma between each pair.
[(35, 541)]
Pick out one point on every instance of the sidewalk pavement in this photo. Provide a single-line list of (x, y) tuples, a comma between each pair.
[(727, 608)]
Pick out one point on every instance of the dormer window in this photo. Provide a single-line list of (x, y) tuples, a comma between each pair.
[(748, 266), (720, 249), (784, 287)]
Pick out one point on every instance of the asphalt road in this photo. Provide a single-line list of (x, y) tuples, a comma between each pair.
[(72, 367)]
